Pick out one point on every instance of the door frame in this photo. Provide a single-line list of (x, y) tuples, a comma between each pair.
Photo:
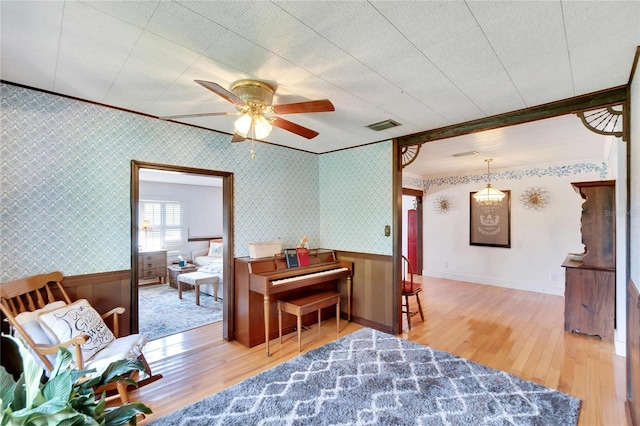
[(228, 313)]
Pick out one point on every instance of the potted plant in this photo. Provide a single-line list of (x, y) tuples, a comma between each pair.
[(67, 397)]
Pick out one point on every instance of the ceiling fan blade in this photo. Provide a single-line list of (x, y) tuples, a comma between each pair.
[(204, 114), (322, 105), (294, 128), (237, 138), (221, 91)]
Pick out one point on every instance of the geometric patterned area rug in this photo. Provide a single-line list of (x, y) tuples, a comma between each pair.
[(373, 378), (162, 313)]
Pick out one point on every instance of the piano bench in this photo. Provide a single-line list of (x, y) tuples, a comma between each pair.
[(304, 305)]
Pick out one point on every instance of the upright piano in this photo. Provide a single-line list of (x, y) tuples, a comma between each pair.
[(259, 283)]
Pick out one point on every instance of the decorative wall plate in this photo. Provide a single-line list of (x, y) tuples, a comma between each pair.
[(442, 204), (534, 198)]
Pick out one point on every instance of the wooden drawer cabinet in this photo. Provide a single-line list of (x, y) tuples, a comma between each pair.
[(590, 302), (152, 264)]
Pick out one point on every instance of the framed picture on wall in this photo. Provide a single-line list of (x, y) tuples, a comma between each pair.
[(490, 225)]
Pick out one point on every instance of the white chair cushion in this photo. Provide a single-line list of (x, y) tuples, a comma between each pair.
[(77, 318), (127, 347), (29, 322)]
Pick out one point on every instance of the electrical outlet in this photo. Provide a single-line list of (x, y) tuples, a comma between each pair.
[(446, 265), (387, 230), (552, 277)]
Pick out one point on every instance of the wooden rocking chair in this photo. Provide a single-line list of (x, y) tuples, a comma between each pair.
[(40, 311)]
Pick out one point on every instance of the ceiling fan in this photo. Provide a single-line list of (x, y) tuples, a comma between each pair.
[(253, 101)]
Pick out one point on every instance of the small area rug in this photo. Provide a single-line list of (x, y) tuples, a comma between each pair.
[(373, 378), (162, 313)]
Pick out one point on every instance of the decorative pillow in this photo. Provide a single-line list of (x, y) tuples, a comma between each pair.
[(67, 322), (29, 322), (215, 249)]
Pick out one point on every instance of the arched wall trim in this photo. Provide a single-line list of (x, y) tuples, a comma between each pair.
[(615, 96)]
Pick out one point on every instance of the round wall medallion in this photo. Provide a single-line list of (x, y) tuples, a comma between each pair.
[(442, 204), (534, 198)]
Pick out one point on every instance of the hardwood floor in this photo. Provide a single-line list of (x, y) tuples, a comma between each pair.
[(510, 330)]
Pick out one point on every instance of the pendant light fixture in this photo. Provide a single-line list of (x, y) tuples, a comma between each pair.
[(488, 196)]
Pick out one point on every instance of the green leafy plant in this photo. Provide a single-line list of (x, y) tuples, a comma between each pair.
[(67, 398)]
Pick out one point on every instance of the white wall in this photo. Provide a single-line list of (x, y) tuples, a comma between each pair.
[(540, 239), (201, 210)]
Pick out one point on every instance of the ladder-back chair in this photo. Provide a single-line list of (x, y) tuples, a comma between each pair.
[(410, 288), (39, 311)]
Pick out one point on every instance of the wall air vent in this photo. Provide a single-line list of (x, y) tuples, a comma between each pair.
[(383, 125), (465, 154)]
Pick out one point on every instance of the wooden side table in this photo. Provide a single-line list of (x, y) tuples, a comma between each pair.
[(174, 270)]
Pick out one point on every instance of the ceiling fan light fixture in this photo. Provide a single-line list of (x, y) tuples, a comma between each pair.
[(242, 125), (253, 100), (261, 127)]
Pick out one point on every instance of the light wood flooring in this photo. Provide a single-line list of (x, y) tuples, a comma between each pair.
[(515, 331)]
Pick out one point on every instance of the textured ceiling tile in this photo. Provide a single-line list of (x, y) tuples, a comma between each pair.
[(449, 37), (358, 29), (99, 27), (528, 38), (271, 27), (164, 53), (82, 74), (428, 24), (417, 76), (41, 41), (138, 85), (606, 33), (238, 53), (229, 14), (137, 13), (184, 27), (42, 12)]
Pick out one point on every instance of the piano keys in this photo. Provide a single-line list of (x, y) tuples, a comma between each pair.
[(259, 283), (305, 276)]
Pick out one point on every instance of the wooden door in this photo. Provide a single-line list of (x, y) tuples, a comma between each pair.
[(412, 238)]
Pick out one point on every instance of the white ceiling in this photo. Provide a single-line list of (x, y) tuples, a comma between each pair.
[(424, 64), (558, 140)]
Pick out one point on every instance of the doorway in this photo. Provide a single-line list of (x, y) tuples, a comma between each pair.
[(226, 273), (412, 235)]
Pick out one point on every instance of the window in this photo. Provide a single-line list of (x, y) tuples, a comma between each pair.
[(164, 221)]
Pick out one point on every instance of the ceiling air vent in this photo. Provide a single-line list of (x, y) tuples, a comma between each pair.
[(383, 125), (465, 154)]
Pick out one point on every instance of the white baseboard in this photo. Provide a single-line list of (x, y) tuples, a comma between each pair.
[(556, 290)]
